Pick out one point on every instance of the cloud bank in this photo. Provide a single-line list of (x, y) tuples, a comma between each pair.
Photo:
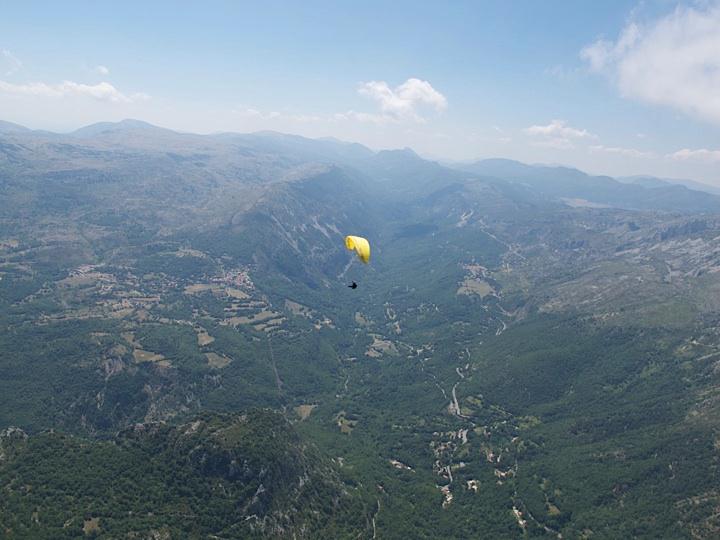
[(702, 154), (672, 61), (626, 152), (103, 91)]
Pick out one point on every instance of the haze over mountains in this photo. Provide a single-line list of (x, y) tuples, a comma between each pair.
[(532, 351), (554, 181)]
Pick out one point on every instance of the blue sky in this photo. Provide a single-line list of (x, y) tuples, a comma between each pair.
[(612, 87)]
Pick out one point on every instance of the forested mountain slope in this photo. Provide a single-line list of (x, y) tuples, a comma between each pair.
[(528, 353)]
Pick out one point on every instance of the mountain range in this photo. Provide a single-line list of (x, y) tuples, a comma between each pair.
[(532, 351)]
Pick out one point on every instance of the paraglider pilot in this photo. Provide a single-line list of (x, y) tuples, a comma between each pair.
[(361, 247)]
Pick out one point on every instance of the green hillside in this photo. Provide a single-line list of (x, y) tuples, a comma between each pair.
[(181, 357)]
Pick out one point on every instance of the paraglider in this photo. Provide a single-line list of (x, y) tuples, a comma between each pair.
[(361, 247)]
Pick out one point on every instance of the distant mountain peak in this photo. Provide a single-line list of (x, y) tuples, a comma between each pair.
[(129, 124), (399, 154), (10, 127), (133, 123)]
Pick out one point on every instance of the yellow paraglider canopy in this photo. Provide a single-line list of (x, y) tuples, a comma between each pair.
[(360, 245)]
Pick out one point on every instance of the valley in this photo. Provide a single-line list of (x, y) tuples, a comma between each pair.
[(510, 366)]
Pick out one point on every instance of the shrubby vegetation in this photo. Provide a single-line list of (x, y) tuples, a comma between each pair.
[(248, 476), (509, 367)]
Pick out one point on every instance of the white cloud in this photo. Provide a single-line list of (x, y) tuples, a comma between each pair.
[(557, 134), (306, 118), (102, 91), (11, 63), (602, 53), (627, 152), (102, 70), (702, 154), (348, 116), (406, 100), (555, 142), (367, 118), (558, 129), (672, 61), (249, 112)]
